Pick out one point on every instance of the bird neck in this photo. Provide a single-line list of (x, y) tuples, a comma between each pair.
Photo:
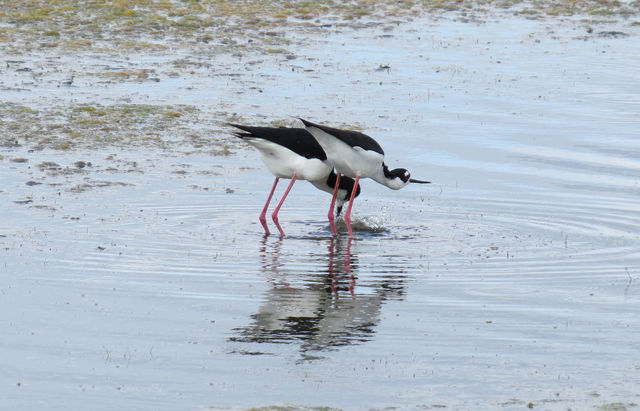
[(386, 178), (380, 176)]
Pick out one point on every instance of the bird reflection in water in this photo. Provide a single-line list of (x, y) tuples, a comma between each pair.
[(342, 269), (314, 301)]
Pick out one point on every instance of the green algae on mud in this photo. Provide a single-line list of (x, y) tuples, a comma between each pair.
[(155, 25), (166, 127)]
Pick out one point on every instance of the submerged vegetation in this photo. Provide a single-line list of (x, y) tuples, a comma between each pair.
[(161, 24), (93, 126), (40, 29)]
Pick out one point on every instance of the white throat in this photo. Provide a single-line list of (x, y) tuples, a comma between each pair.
[(393, 182)]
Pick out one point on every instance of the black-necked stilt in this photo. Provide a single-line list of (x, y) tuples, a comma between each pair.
[(357, 155), (294, 153)]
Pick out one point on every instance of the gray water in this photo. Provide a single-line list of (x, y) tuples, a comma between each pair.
[(510, 282)]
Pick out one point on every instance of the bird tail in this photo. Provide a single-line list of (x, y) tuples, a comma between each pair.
[(248, 132)]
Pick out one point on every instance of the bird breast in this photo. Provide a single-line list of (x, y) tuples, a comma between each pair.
[(347, 160)]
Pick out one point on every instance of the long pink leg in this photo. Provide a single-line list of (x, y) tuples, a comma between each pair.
[(333, 204), (274, 215), (263, 218), (347, 216)]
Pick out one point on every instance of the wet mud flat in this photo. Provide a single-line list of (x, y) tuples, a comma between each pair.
[(135, 273)]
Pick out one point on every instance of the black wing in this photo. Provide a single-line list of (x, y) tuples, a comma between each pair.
[(352, 138), (297, 140)]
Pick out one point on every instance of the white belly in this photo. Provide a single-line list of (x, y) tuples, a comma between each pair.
[(284, 163), (347, 160)]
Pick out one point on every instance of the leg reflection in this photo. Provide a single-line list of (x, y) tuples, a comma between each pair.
[(341, 265), (270, 261)]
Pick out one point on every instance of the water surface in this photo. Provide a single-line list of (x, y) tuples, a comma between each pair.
[(145, 281)]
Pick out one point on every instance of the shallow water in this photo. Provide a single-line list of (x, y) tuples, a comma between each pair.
[(144, 280)]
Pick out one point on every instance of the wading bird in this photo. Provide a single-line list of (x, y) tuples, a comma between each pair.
[(356, 155), (294, 153)]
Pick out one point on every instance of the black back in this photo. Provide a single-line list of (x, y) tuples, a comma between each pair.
[(350, 137), (298, 140)]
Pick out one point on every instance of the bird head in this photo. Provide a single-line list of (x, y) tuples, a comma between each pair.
[(399, 177)]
